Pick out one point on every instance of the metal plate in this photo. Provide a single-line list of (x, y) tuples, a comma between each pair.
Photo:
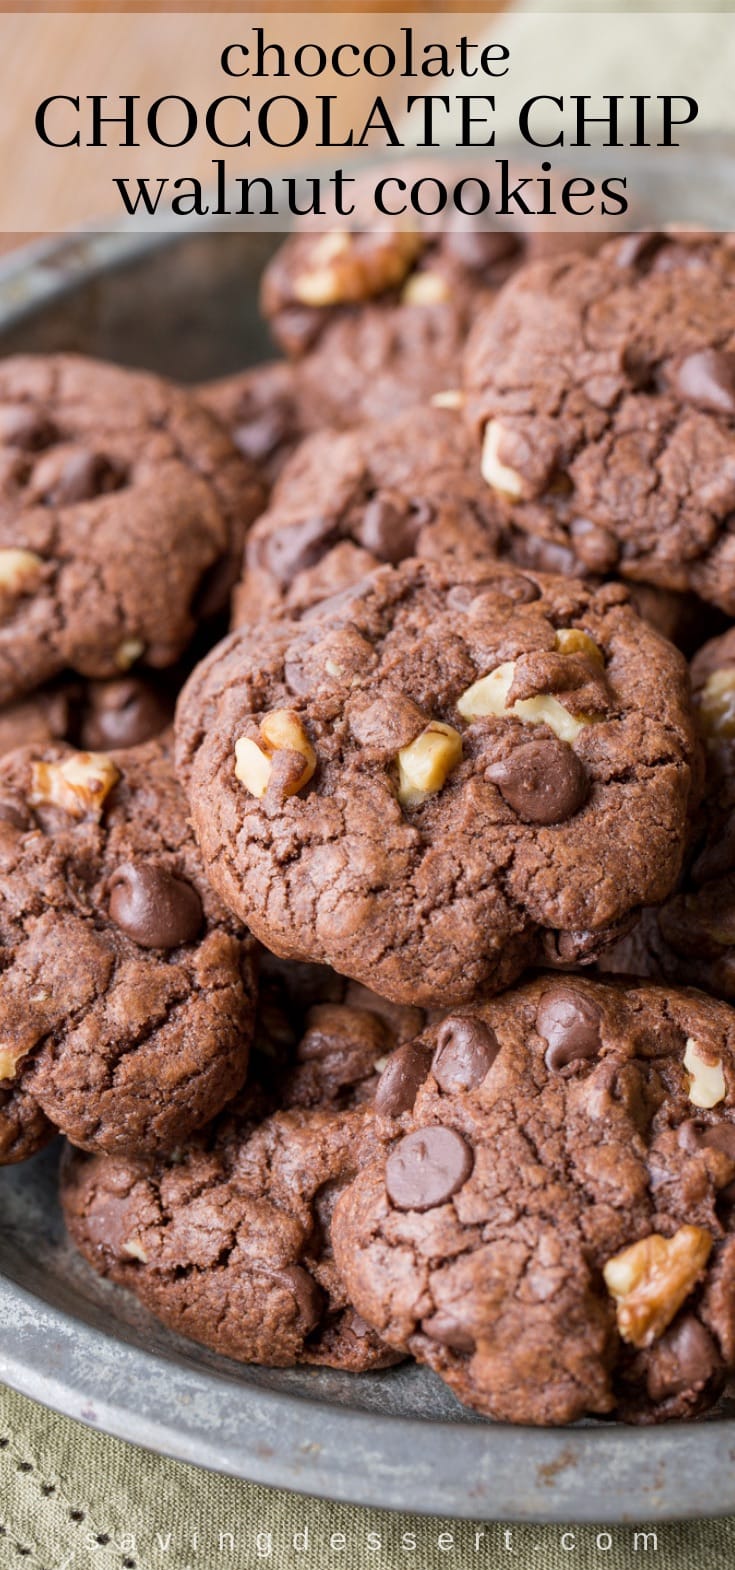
[(396, 1439)]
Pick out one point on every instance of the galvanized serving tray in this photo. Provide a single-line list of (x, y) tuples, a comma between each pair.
[(398, 1439)]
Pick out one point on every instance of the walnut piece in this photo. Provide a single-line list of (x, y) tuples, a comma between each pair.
[(282, 731), (498, 475), (571, 640), (135, 1250), (489, 696), (128, 652), (10, 1057), (449, 398), (426, 289), (717, 704), (707, 1082), (343, 269), (79, 784), (20, 572), (425, 764), (650, 1280)]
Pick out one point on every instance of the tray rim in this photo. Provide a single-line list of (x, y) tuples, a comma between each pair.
[(465, 1470)]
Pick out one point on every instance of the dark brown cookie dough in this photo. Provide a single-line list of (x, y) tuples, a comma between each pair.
[(410, 485), (264, 411), (230, 1243), (123, 512), (43, 717), (691, 937), (554, 1232), (126, 992), (346, 502), (96, 716), (603, 391), (441, 775)]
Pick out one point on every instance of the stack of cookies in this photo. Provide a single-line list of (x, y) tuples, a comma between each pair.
[(385, 993)]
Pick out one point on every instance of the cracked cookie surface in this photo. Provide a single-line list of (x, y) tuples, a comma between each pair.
[(264, 411), (554, 1230), (348, 501), (126, 989), (123, 512), (603, 391), (230, 1244), (441, 775), (691, 937)]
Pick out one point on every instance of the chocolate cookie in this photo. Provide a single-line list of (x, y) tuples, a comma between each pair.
[(126, 992), (41, 718), (692, 936), (554, 1232), (441, 775), (603, 391), (264, 412), (315, 280), (123, 511), (409, 486), (230, 1243), (94, 715)]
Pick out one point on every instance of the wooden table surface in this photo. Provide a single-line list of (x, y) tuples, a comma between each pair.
[(73, 46)]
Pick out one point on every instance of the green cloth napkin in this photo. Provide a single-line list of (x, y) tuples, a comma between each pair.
[(72, 1499)]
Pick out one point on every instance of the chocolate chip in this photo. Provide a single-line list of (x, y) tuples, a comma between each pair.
[(399, 1083), (154, 907), (448, 1331), (543, 781), (294, 548), (307, 1293), (638, 249), (685, 1359), (213, 594), (122, 714), (390, 525), (427, 1167), (259, 438), (12, 816), (65, 479), (465, 1052), (515, 587), (694, 1136), (480, 249), (570, 1023), (707, 379), (25, 427)]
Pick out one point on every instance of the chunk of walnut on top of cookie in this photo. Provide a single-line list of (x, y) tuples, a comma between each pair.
[(442, 775), (553, 1230)]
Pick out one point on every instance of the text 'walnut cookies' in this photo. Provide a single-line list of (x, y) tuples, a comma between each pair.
[(603, 391), (554, 1233), (230, 1243), (441, 775), (123, 511), (126, 989), (346, 502)]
